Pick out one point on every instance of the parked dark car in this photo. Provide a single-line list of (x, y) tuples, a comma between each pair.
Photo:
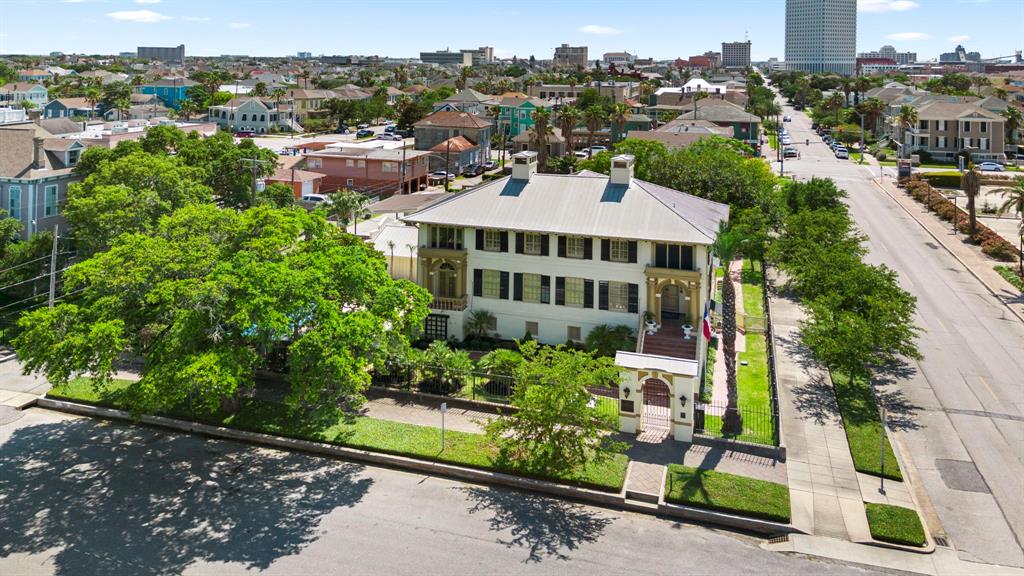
[(245, 133), (490, 165), (390, 129), (473, 170), (364, 133)]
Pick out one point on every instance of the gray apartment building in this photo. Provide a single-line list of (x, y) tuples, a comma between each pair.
[(447, 58), (736, 54), (162, 53), (570, 56)]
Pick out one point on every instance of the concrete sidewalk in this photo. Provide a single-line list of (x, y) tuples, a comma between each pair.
[(823, 485), (719, 392)]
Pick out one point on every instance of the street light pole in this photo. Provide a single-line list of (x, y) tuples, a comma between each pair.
[(447, 163)]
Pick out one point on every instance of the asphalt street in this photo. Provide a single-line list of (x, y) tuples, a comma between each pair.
[(80, 497), (958, 415)]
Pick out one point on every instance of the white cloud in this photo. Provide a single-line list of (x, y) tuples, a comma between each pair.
[(598, 29), (959, 39), (138, 16), (908, 36), (196, 18), (885, 5), (147, 1), (239, 25), (73, 1)]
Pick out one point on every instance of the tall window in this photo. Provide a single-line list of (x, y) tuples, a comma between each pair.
[(574, 292), (531, 243), (619, 250), (446, 237), (531, 288), (492, 284), (574, 247), (492, 240), (50, 201), (14, 202), (618, 296)]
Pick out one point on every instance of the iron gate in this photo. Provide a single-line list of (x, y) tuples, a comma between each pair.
[(657, 408)]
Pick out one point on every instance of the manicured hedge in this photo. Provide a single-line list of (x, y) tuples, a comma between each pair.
[(894, 524)]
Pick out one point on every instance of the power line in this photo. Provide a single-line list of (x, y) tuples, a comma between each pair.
[(32, 279)]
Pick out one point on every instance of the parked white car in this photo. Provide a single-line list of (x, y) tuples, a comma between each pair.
[(317, 199), (991, 167)]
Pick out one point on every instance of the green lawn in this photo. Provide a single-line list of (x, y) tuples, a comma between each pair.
[(753, 289), (461, 448), (1011, 276), (709, 369), (895, 524), (727, 493), (863, 427)]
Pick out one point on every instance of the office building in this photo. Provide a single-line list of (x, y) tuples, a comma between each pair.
[(305, 55), (162, 54), (889, 53), (960, 55), (821, 35), (736, 54), (480, 56), (570, 56), (447, 58)]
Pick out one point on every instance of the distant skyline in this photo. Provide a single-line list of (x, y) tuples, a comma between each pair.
[(403, 28)]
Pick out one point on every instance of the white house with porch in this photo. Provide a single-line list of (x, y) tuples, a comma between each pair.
[(557, 255)]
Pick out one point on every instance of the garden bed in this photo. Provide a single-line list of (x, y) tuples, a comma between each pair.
[(727, 493), (423, 442), (895, 524)]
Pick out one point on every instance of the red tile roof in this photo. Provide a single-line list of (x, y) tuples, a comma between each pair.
[(458, 144)]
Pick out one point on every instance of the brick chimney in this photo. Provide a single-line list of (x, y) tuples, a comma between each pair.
[(38, 160)]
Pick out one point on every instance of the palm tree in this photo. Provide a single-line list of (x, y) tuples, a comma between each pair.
[(619, 116), (846, 85), (568, 118), (278, 94), (305, 74), (541, 129), (871, 109), (188, 108), (123, 107), (92, 96), (999, 93), (836, 102), (1013, 122), (479, 323), (862, 84), (259, 90), (971, 183), (594, 118), (906, 119), (980, 81), (727, 247), (1014, 203), (349, 206), (391, 257)]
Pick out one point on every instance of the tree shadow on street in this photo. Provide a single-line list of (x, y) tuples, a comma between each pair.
[(900, 414), (545, 527), (115, 499)]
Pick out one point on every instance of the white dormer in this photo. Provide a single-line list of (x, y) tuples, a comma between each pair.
[(622, 169), (524, 165)]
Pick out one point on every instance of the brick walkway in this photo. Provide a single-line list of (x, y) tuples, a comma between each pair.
[(645, 481), (412, 412)]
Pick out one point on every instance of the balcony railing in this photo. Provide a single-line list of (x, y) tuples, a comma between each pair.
[(449, 304)]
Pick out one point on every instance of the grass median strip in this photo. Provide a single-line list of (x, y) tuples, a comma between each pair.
[(894, 524), (398, 438), (727, 493), (863, 427)]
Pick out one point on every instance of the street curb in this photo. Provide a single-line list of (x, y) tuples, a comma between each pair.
[(951, 253), (605, 499)]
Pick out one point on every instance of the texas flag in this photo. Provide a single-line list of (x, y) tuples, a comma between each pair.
[(707, 323)]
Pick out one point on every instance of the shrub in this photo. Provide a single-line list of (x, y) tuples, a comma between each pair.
[(605, 340), (946, 211), (924, 155), (444, 369), (947, 179), (880, 155), (999, 249), (501, 366)]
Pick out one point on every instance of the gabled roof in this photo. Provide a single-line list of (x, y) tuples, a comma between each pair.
[(74, 103), (294, 175), (584, 204), (452, 119), (63, 125), (718, 110), (955, 110), (516, 102), (20, 87), (456, 144), (469, 95)]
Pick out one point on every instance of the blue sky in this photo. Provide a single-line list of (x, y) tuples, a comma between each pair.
[(403, 28)]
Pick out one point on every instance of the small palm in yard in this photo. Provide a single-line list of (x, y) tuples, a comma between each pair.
[(1014, 203), (971, 183), (727, 248), (349, 206)]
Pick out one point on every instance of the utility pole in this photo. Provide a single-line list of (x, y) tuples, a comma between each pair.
[(53, 267), (253, 163), (447, 163), (861, 138)]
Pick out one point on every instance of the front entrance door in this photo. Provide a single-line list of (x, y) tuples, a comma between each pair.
[(656, 415), (670, 302)]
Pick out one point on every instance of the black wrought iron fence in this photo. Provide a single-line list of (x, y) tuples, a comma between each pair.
[(769, 340), (446, 382), (758, 424)]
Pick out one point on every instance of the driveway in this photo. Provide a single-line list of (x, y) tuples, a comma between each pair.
[(80, 497)]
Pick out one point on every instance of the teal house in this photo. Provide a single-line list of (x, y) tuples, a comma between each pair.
[(170, 91), (516, 114)]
